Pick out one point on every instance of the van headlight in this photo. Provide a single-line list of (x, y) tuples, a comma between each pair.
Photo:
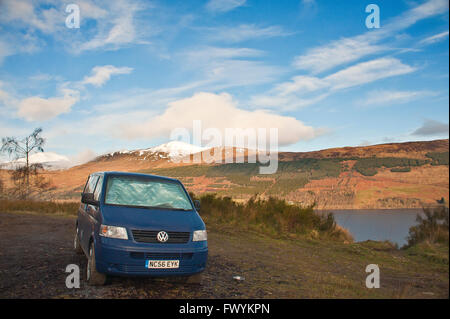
[(113, 232), (199, 235)]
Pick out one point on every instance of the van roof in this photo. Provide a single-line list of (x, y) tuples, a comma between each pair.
[(107, 173)]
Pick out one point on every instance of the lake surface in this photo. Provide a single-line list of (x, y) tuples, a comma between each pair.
[(378, 224)]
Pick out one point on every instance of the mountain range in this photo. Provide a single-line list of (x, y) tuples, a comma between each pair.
[(393, 175), (51, 161)]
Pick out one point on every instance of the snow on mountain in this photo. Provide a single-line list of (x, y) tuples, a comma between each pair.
[(171, 150), (119, 152), (175, 149), (52, 161), (48, 160)]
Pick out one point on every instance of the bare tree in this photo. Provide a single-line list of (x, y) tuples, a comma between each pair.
[(23, 149)]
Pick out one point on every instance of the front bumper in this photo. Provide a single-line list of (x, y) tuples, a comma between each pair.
[(127, 258)]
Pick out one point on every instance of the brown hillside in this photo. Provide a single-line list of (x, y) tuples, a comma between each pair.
[(408, 149), (422, 185)]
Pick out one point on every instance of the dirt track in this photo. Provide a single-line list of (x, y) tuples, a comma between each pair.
[(35, 249)]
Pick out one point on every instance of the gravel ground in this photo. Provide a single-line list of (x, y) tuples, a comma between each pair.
[(35, 250)]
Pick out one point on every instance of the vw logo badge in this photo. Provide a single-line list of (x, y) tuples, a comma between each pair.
[(162, 236)]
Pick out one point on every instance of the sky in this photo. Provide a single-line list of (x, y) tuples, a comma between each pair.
[(135, 70)]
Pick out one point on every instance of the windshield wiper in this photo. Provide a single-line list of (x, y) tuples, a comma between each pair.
[(151, 207), (164, 206)]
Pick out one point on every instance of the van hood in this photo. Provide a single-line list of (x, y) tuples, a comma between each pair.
[(151, 219)]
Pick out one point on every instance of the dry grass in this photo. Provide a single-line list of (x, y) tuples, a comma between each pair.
[(272, 216), (61, 208)]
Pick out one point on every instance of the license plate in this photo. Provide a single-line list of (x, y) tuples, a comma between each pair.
[(162, 264)]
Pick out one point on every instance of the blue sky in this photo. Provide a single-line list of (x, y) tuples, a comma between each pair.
[(135, 70)]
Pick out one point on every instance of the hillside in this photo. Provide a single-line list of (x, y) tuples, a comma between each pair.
[(407, 149), (396, 175)]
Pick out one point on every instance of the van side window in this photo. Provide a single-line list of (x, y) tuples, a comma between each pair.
[(98, 188), (90, 186)]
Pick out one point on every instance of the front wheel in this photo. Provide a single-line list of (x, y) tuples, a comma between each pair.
[(94, 278)]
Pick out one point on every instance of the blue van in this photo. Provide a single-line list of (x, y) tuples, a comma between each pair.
[(139, 225)]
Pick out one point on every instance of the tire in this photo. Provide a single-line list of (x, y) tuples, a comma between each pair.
[(94, 278), (76, 243)]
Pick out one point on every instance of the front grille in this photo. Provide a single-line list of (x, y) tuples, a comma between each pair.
[(161, 256), (149, 236), (140, 269)]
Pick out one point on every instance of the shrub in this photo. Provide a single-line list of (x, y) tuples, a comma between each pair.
[(368, 166), (273, 216), (438, 158), (432, 227), (367, 171), (286, 184), (401, 169)]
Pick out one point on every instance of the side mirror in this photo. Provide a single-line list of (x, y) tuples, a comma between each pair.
[(197, 205), (88, 198)]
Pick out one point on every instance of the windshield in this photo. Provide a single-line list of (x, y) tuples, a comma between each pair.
[(146, 192)]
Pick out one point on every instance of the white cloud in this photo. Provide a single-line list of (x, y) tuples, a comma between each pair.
[(82, 157), (388, 97), (36, 108), (229, 67), (116, 29), (221, 112), (346, 50), (107, 127), (25, 20), (209, 53), (425, 10), (45, 77), (286, 103), (14, 43), (367, 72), (245, 32), (233, 73), (435, 38), (91, 10), (135, 99), (121, 33), (224, 5), (336, 53), (301, 83), (47, 20), (5, 50), (101, 74), (4, 96), (8, 101), (302, 91), (107, 25)]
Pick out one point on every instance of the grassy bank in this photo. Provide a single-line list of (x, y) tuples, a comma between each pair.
[(42, 207), (271, 216)]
